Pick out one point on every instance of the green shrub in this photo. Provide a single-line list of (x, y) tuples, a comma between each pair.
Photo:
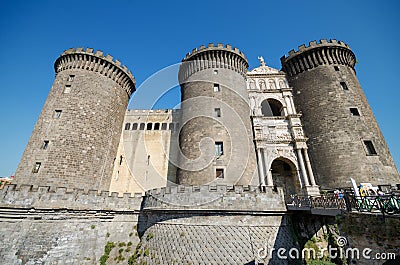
[(107, 249)]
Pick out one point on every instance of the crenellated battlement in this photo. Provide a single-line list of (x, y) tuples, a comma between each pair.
[(315, 54), (80, 58), (47, 197), (213, 56), (204, 188), (212, 46), (155, 111), (315, 44), (220, 197)]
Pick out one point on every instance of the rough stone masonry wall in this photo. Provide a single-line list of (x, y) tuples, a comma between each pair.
[(212, 225), (335, 135), (354, 231), (146, 156), (39, 225), (83, 140), (201, 127), (213, 239), (379, 233)]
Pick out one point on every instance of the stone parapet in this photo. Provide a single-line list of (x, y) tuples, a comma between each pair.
[(213, 56), (152, 111), (323, 53), (215, 198), (96, 61), (46, 197)]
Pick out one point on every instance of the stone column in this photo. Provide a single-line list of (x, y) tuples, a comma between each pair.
[(308, 164), (288, 105), (303, 169), (261, 167), (270, 182), (292, 104), (285, 110)]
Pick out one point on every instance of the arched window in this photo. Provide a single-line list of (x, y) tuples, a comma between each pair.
[(272, 107), (171, 126), (156, 126), (141, 126), (134, 126), (163, 126), (127, 126), (149, 126)]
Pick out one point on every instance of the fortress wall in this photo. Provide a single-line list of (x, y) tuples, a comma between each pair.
[(52, 237), (326, 89), (213, 239), (145, 158), (215, 116), (42, 225), (215, 198), (28, 196), (76, 136), (211, 225)]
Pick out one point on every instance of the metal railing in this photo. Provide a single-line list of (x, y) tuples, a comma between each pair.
[(385, 204)]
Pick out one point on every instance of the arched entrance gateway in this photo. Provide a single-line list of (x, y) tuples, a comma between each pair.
[(284, 174)]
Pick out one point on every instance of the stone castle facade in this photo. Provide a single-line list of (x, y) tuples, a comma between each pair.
[(340, 139), (220, 165)]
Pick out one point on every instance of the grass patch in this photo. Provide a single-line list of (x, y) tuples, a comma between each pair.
[(107, 249)]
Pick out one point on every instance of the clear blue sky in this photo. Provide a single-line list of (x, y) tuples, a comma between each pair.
[(148, 36)]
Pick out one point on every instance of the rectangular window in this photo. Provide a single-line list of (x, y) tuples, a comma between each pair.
[(45, 145), (336, 68), (57, 114), (354, 111), (219, 173), (71, 78), (219, 148), (156, 126), (215, 72), (141, 126), (217, 112), (344, 86), (36, 167), (216, 88), (370, 147), (67, 89), (163, 126)]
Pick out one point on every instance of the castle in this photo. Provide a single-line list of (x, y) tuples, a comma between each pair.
[(220, 165)]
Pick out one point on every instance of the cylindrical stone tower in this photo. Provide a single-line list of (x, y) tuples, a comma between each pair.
[(75, 140), (344, 138), (216, 138)]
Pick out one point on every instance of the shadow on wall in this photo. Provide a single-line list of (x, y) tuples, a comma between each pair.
[(212, 237), (173, 151)]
